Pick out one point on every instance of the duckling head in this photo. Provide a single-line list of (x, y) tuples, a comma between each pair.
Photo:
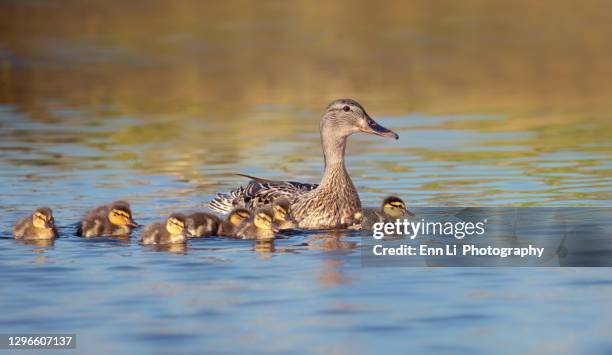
[(395, 207), (344, 117), (175, 224), (120, 214), (263, 219), (42, 218), (281, 208), (238, 216)]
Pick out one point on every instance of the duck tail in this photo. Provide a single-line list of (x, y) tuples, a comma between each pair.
[(225, 203), (222, 203), (255, 178)]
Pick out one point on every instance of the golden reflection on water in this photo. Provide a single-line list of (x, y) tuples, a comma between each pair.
[(180, 85), (178, 249)]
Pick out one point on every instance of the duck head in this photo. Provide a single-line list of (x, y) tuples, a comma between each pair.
[(263, 219), (282, 216), (175, 225), (238, 216), (42, 218), (344, 117), (120, 214), (395, 207)]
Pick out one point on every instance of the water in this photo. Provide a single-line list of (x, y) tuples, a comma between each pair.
[(163, 113)]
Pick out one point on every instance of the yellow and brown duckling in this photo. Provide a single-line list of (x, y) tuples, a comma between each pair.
[(174, 231), (202, 224), (261, 226), (392, 209), (235, 221), (39, 225), (282, 214), (114, 219)]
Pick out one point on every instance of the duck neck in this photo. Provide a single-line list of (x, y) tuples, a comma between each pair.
[(335, 170)]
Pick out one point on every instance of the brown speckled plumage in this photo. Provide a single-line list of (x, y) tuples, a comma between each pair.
[(25, 229), (334, 202), (96, 222), (202, 224), (159, 233)]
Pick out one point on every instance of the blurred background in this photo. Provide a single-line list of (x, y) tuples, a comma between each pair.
[(178, 87)]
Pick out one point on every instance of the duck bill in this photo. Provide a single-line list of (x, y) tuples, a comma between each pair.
[(133, 224), (49, 225), (408, 213), (374, 128)]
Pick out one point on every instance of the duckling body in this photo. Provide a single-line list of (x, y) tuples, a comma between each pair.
[(334, 202), (114, 219), (261, 226), (235, 221), (392, 209), (39, 225), (173, 231), (202, 224)]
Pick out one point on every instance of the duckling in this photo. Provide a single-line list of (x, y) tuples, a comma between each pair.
[(174, 231), (235, 220), (282, 214), (334, 200), (261, 226), (114, 219), (40, 225), (392, 209), (202, 224)]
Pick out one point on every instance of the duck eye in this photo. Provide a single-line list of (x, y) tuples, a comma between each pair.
[(346, 109)]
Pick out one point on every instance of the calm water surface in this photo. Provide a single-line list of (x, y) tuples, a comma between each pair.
[(308, 291), (161, 104)]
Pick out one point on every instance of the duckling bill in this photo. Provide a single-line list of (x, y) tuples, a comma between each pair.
[(114, 219), (392, 209), (202, 224), (261, 226), (173, 231), (39, 225)]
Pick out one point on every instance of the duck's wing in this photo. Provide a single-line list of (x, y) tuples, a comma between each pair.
[(258, 192)]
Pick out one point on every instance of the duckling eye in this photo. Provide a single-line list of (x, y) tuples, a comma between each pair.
[(346, 108)]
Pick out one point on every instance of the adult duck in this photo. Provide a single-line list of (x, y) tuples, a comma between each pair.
[(334, 202)]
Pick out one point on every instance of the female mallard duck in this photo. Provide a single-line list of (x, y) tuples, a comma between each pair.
[(114, 219), (40, 225), (171, 232), (235, 220), (261, 226), (334, 202), (202, 224), (282, 214), (392, 209)]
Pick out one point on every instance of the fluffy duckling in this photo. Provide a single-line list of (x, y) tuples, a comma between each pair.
[(202, 224), (282, 214), (174, 231), (391, 210), (235, 220), (261, 226), (40, 225), (114, 219)]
